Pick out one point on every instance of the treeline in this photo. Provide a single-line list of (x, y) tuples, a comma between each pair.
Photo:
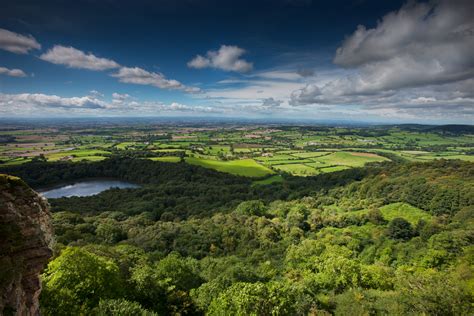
[(170, 191), (442, 187)]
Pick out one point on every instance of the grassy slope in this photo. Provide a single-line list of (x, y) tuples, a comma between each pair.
[(404, 210), (244, 167), (166, 159)]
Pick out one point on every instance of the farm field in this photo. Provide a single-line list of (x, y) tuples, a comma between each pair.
[(241, 167), (166, 159), (256, 151)]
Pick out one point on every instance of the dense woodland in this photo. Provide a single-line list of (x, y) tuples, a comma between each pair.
[(390, 238)]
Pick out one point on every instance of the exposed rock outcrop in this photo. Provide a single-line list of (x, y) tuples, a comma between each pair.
[(26, 238)]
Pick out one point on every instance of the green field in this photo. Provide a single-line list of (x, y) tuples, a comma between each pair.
[(310, 154), (297, 169), (404, 210), (350, 159), (333, 169), (299, 151), (125, 145), (166, 159), (79, 154), (244, 167)]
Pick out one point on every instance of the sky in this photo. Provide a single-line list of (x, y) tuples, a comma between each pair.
[(355, 60)]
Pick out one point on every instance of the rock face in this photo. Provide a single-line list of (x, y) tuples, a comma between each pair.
[(26, 238)]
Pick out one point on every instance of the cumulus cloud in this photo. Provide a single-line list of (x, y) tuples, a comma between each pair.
[(38, 103), (420, 50), (75, 58), (17, 43), (271, 103), (126, 104), (175, 106), (443, 26), (226, 58), (96, 94), (120, 96), (140, 76), (12, 72), (33, 101)]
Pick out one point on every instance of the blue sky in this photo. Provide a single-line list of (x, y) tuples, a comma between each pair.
[(386, 61)]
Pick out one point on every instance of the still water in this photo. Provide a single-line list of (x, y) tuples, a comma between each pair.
[(86, 188)]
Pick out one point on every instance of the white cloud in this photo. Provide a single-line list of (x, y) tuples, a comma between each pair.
[(443, 26), (408, 62), (279, 75), (96, 94), (140, 76), (156, 107), (120, 96), (38, 104), (17, 43), (74, 58), (121, 99), (175, 106), (12, 72), (226, 58), (18, 103), (192, 90), (255, 90), (199, 62)]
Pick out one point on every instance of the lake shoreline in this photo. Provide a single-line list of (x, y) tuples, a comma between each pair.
[(64, 183), (84, 187)]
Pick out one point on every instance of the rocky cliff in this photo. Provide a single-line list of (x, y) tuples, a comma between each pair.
[(26, 238)]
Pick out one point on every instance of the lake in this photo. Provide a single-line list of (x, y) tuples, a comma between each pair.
[(85, 188)]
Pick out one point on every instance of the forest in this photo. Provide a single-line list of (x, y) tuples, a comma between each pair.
[(387, 238)]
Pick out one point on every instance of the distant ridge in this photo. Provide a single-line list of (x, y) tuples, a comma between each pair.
[(448, 128), (454, 129)]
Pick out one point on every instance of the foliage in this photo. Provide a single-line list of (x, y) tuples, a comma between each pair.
[(391, 239), (121, 307), (400, 229), (75, 282), (253, 299)]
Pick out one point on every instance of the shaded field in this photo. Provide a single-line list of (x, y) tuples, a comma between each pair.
[(166, 159)]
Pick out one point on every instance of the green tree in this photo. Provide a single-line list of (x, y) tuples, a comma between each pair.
[(75, 282), (110, 232), (253, 207), (121, 307), (165, 286), (400, 228), (254, 299), (434, 293), (375, 217), (182, 272)]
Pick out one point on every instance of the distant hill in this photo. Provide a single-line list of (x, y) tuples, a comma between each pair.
[(454, 129), (450, 128)]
